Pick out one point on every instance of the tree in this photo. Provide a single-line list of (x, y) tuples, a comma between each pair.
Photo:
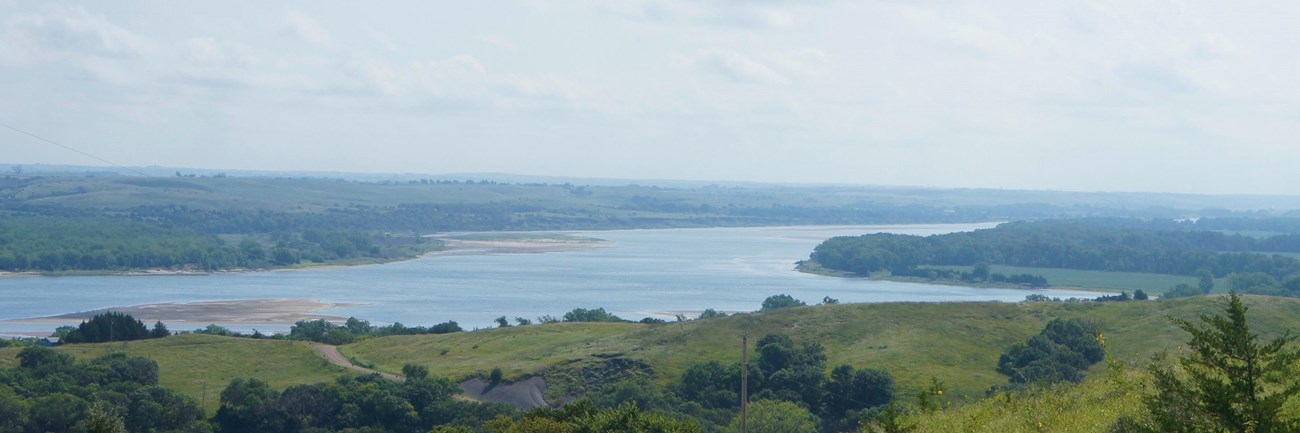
[(110, 326), (1206, 280), (585, 315), (850, 389), (773, 416), (1061, 352), (159, 330), (415, 371), (1229, 381), (502, 322), (781, 301), (13, 411), (249, 405)]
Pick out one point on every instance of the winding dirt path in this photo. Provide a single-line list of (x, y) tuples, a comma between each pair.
[(331, 353)]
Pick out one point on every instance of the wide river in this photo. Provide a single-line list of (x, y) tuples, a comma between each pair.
[(634, 274)]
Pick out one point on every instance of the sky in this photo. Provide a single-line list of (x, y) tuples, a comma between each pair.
[(1164, 96)]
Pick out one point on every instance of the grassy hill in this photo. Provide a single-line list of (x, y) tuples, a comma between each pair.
[(958, 343), (191, 363), (1090, 407)]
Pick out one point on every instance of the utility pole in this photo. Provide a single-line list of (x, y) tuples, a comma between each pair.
[(744, 382)]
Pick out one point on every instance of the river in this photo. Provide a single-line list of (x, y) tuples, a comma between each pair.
[(634, 274)]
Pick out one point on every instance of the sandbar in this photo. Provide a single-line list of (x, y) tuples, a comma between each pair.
[(245, 311), (513, 246)]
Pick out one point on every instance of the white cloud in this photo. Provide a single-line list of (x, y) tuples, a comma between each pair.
[(308, 29), (734, 66), (382, 39), (500, 41), (66, 32), (869, 92)]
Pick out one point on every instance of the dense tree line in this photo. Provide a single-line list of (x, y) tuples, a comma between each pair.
[(1164, 247), (323, 331), (355, 403), (113, 326), (56, 244), (108, 244), (49, 392), (780, 371)]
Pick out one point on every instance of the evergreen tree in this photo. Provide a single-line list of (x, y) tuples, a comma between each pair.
[(1229, 382)]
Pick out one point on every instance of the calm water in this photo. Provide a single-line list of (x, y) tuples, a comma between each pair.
[(635, 274)]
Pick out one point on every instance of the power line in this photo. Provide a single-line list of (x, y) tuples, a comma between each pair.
[(70, 148)]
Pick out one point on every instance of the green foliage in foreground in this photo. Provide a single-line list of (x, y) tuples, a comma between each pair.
[(1230, 381), (50, 392), (584, 417), (200, 366)]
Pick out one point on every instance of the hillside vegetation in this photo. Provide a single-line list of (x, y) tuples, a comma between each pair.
[(957, 343), (194, 363)]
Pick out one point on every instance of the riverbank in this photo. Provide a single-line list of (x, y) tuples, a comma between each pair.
[(471, 244), (810, 267), (244, 312)]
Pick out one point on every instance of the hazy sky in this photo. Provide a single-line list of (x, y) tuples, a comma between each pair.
[(1197, 96)]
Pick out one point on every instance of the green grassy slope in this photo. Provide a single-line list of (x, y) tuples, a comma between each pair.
[(190, 363), (958, 343), (1092, 406)]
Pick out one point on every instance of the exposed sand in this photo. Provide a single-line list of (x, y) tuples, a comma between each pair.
[(247, 311), (513, 246)]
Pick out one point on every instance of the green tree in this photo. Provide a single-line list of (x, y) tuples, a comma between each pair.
[(110, 326), (585, 315), (1229, 381), (415, 372), (1206, 280), (781, 301), (1061, 352), (775, 416), (13, 411), (159, 330)]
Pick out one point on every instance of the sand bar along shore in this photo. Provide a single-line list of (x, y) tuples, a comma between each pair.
[(514, 246), (246, 311)]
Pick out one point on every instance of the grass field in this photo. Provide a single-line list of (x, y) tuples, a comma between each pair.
[(958, 343), (189, 363), (1104, 280)]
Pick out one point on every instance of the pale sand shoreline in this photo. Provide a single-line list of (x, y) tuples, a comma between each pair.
[(246, 311), (456, 247)]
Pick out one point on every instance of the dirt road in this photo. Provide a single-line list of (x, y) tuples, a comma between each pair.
[(332, 354)]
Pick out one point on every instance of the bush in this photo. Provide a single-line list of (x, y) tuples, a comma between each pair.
[(781, 301), (585, 315), (1061, 352)]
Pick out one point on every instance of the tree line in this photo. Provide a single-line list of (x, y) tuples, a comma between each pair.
[(1127, 245), (50, 244)]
